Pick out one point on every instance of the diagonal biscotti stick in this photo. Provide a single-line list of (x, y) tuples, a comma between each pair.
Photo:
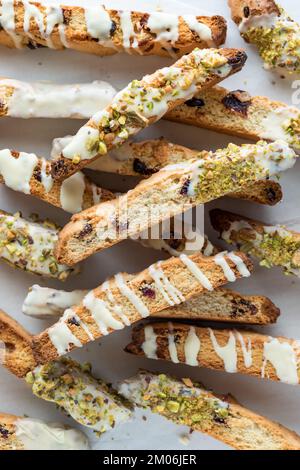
[(272, 245), (188, 403), (240, 114), (173, 190), (265, 24), (235, 351), (222, 305), (17, 433), (126, 299), (30, 174), (148, 157), (144, 102), (29, 246), (102, 31)]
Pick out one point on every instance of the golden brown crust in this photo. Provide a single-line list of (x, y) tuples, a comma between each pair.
[(63, 167), (266, 192), (17, 347), (241, 9), (173, 269), (224, 305), (207, 356), (78, 38)]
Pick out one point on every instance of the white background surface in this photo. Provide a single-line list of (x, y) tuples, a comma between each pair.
[(275, 400)]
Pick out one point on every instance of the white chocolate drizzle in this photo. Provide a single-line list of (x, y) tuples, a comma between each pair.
[(71, 193), (192, 347), (7, 21), (117, 309), (98, 23), (240, 264), (282, 356), (201, 29), (196, 271), (246, 349), (61, 336), (131, 296), (227, 353), (149, 345), (101, 314), (220, 260), (127, 30), (169, 292), (172, 345), (17, 172)]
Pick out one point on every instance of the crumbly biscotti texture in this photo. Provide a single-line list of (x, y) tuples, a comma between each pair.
[(188, 403), (16, 349), (272, 245), (224, 305), (101, 31), (173, 190), (8, 438), (240, 114), (148, 157), (144, 102), (235, 351), (126, 299), (30, 174), (72, 387), (276, 35), (29, 246)]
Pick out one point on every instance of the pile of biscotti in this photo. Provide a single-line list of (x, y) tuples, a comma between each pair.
[(189, 284)]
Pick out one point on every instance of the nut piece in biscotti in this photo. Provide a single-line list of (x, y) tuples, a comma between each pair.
[(144, 102), (29, 245), (15, 347), (240, 114), (173, 190), (30, 174), (271, 245), (72, 387), (276, 35), (125, 299), (101, 31), (235, 351), (17, 433), (188, 403), (224, 305)]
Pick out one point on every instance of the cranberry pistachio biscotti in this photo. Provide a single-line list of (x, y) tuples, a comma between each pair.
[(125, 299), (173, 190), (188, 403), (265, 24), (144, 102), (235, 351), (273, 245), (102, 31)]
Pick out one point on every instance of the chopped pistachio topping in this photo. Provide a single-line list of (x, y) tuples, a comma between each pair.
[(72, 387), (184, 404), (273, 246), (278, 42), (29, 246)]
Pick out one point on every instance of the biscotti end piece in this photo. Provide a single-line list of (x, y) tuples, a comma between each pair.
[(185, 402), (275, 34), (144, 102), (125, 299), (15, 346), (272, 245), (266, 192), (174, 189), (225, 305), (18, 433), (29, 246), (72, 387)]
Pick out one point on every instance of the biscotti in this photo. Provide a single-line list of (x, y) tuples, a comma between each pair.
[(272, 245), (224, 305), (235, 351), (144, 102), (148, 157), (50, 100), (240, 114), (15, 347), (30, 174), (276, 35), (18, 433), (173, 190), (73, 388), (98, 30), (187, 403), (29, 246), (125, 299)]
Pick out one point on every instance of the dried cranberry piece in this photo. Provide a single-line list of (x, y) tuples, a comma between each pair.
[(246, 12), (73, 321), (141, 168), (148, 292), (237, 101), (185, 188), (195, 103), (88, 228)]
